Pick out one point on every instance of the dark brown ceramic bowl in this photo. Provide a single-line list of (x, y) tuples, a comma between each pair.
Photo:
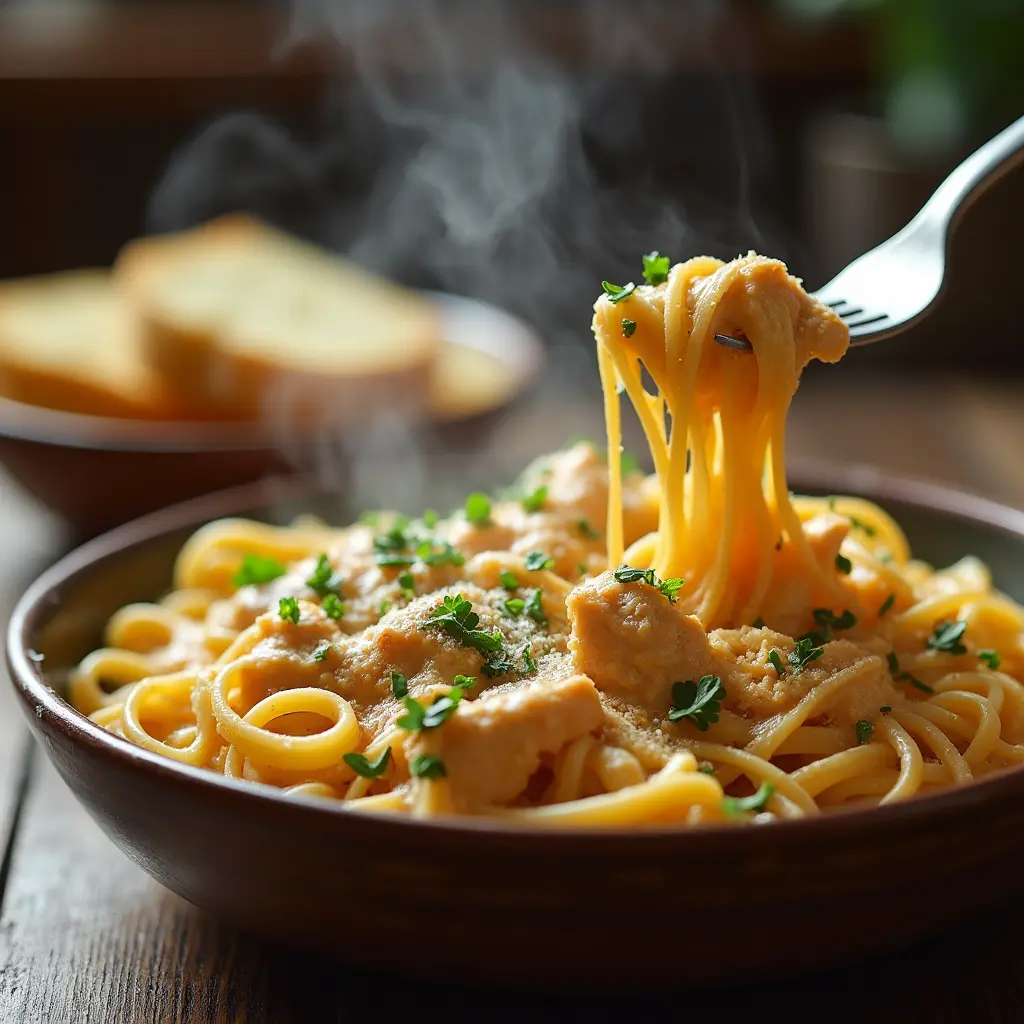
[(591, 910), (98, 472)]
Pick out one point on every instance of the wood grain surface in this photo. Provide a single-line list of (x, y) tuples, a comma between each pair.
[(86, 936)]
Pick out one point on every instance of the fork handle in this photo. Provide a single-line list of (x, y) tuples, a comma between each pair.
[(982, 168)]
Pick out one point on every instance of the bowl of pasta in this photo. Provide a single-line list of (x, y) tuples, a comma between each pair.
[(575, 733)]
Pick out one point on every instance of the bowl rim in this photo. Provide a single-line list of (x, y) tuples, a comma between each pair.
[(524, 360), (46, 709)]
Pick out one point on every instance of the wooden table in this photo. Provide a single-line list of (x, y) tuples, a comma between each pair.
[(85, 936)]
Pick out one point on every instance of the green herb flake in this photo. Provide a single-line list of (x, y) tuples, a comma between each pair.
[(321, 650), (773, 657), (534, 501), (844, 565), (324, 579), (536, 561), (407, 582), (399, 684), (478, 509), (415, 712), (669, 588), (886, 605), (758, 623), (431, 517), (990, 658), (508, 579), (455, 616), (535, 607), (368, 769), (384, 607), (628, 327), (885, 709), (427, 766), (706, 768), (256, 569), (333, 607), (288, 609), (894, 663), (616, 293), (586, 530), (514, 606), (734, 806), (803, 654), (827, 619), (864, 730), (656, 268), (946, 637), (700, 702), (628, 463)]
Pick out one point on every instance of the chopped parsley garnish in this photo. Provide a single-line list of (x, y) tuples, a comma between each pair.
[(333, 607), (395, 539), (670, 588), (582, 569), (514, 606), (700, 702), (427, 766), (828, 620), (368, 769), (628, 327), (628, 463), (455, 616), (736, 805), (946, 637), (885, 709), (843, 564), (857, 524), (991, 658), (464, 682), (288, 609), (407, 582), (886, 605), (508, 579), (534, 501), (773, 657), (803, 654), (436, 713), (430, 518), (529, 664), (758, 623), (535, 608), (256, 570), (445, 555), (324, 579), (478, 509), (384, 607), (706, 768), (864, 730), (586, 530), (616, 292), (535, 561), (656, 267), (321, 650), (898, 676), (370, 518), (399, 684)]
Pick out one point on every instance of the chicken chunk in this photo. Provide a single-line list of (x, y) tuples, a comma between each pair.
[(491, 746), (633, 642)]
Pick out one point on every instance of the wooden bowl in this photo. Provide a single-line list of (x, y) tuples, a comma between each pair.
[(484, 903), (97, 472)]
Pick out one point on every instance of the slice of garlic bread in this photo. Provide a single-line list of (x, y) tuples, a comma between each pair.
[(252, 320), (68, 342)]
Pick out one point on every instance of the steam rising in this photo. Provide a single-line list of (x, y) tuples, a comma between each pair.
[(476, 154)]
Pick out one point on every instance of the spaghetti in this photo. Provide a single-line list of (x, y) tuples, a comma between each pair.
[(605, 649)]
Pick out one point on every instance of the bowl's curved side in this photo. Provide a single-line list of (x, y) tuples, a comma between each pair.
[(594, 910)]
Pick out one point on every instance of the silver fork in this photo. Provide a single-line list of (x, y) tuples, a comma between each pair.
[(896, 284)]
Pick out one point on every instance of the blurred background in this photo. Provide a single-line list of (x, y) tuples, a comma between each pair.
[(519, 152)]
